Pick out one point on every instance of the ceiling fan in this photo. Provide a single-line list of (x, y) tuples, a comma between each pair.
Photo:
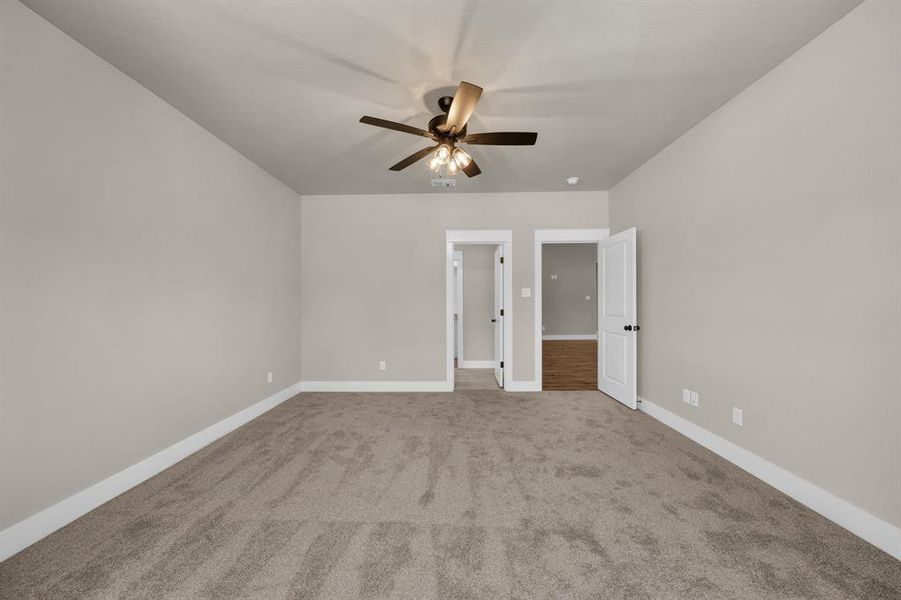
[(448, 131)]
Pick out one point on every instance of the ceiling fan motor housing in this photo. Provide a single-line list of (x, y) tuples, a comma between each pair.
[(438, 121)]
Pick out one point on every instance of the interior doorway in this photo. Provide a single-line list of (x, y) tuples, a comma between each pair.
[(566, 335), (566, 339), (569, 351), (479, 309), (478, 320), (569, 316)]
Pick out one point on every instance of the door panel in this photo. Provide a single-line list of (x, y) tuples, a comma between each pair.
[(615, 272), (617, 318), (615, 351), (498, 317)]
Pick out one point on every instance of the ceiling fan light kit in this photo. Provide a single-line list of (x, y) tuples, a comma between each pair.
[(461, 158), (448, 130)]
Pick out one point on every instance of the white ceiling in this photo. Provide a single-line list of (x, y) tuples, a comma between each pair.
[(605, 84)]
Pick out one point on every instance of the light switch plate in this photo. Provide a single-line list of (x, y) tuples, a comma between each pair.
[(737, 417), (526, 292), (553, 277), (382, 365), (686, 396), (269, 377), (694, 398)]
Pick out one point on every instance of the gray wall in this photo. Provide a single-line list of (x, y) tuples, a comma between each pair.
[(564, 309), (770, 263), (150, 275), (374, 275), (478, 302)]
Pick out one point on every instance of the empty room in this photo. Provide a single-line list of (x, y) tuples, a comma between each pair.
[(371, 299)]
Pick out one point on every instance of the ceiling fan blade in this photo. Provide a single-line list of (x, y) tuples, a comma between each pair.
[(412, 159), (395, 126), (503, 138), (464, 103), (472, 169)]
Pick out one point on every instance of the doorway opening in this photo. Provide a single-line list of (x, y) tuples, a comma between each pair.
[(569, 326), (477, 319), (479, 309)]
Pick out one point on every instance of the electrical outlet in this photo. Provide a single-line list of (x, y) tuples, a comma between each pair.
[(526, 292), (553, 277), (383, 365), (694, 398), (686, 396), (269, 377), (588, 297), (737, 417)]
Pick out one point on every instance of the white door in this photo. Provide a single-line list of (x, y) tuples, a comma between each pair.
[(499, 315), (458, 306), (617, 312), (456, 313)]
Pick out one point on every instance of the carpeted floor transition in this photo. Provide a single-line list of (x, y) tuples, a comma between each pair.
[(475, 494)]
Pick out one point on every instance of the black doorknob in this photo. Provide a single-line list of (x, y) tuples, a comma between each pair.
[(494, 320), (628, 328), (637, 328)]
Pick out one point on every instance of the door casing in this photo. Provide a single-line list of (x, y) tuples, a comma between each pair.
[(554, 236), (457, 237)]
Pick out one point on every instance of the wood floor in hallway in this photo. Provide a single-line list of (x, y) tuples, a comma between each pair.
[(569, 364)]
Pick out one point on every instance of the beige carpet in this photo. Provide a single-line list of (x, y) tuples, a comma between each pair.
[(476, 494)]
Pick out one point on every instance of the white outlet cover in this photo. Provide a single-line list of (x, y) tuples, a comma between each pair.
[(686, 396), (269, 377), (553, 277), (526, 292), (382, 365), (588, 297), (737, 416), (694, 398)]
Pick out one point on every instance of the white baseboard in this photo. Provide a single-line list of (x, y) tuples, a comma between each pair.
[(574, 336), (401, 386), (477, 364), (521, 386), (375, 386), (881, 534), (16, 538)]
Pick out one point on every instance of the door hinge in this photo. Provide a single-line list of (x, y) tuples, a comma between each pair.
[(502, 260), (502, 364), (502, 312)]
